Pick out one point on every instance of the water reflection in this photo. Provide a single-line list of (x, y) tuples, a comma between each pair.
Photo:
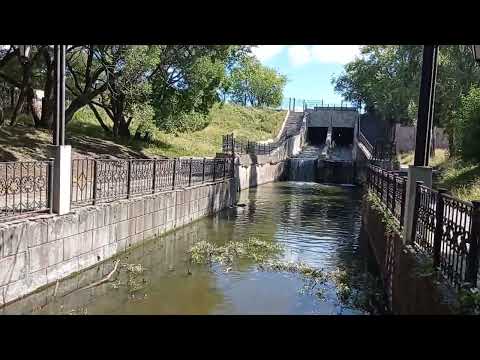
[(316, 224)]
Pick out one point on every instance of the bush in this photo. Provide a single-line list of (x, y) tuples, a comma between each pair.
[(467, 131)]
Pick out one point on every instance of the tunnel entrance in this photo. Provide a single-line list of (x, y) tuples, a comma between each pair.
[(317, 135), (342, 136)]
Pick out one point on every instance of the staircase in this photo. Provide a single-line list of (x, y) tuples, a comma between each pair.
[(292, 125)]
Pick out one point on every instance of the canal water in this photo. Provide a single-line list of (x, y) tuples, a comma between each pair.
[(313, 224)]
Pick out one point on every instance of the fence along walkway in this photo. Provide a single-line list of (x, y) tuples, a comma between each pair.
[(292, 127), (445, 228), (448, 229), (25, 187), (95, 180)]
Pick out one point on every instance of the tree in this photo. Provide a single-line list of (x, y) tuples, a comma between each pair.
[(386, 79), (188, 79), (467, 129), (255, 84)]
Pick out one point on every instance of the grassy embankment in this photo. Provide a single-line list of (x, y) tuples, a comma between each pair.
[(88, 138), (461, 178)]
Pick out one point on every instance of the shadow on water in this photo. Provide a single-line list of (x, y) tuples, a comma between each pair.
[(315, 224)]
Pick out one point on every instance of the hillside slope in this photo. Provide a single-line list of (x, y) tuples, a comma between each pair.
[(88, 138)]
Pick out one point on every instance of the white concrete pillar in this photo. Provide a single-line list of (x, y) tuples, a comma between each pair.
[(62, 179), (415, 173)]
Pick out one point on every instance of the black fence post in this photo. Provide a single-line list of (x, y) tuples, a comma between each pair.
[(50, 184), (190, 173), (388, 189), (174, 172), (203, 171), (224, 168), (394, 195), (404, 195), (415, 210), (437, 237), (95, 176), (473, 253), (129, 178), (154, 175)]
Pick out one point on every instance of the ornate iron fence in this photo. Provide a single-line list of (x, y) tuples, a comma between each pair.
[(384, 151), (95, 180), (230, 144), (390, 188), (25, 187), (448, 229)]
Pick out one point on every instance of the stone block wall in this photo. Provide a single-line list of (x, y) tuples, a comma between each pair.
[(410, 291), (41, 250), (254, 170)]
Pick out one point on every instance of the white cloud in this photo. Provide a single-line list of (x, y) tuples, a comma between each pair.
[(299, 55), (266, 52), (335, 54)]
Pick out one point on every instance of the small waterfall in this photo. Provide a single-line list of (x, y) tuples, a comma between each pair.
[(302, 169)]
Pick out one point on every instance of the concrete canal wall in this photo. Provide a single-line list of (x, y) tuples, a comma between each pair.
[(408, 282), (254, 170), (39, 251)]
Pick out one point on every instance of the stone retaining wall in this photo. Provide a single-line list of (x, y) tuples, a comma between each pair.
[(410, 287), (254, 170), (44, 249)]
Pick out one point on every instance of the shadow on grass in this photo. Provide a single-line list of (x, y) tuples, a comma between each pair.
[(462, 178)]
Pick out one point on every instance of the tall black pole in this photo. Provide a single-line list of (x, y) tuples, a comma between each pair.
[(59, 134), (56, 132), (426, 105), (62, 94)]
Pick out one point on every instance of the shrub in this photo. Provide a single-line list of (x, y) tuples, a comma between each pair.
[(467, 131)]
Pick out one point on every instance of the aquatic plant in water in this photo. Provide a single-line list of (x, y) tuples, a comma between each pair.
[(357, 296)]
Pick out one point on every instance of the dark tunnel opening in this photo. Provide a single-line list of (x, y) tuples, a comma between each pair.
[(342, 136), (317, 135)]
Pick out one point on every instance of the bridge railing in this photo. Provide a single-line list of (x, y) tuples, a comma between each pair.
[(25, 187), (100, 180)]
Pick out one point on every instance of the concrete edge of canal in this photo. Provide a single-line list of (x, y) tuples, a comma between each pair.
[(409, 292), (36, 252)]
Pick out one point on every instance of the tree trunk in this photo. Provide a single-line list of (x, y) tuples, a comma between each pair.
[(30, 94), (48, 101), (20, 100), (99, 119)]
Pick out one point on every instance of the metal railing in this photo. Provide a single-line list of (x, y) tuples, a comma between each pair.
[(25, 187), (364, 141), (249, 147), (99, 180), (390, 188), (384, 151), (448, 229)]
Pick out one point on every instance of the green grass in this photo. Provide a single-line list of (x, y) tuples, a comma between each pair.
[(245, 123), (461, 178), (441, 155), (24, 142)]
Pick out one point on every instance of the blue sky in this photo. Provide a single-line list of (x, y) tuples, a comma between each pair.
[(309, 68)]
